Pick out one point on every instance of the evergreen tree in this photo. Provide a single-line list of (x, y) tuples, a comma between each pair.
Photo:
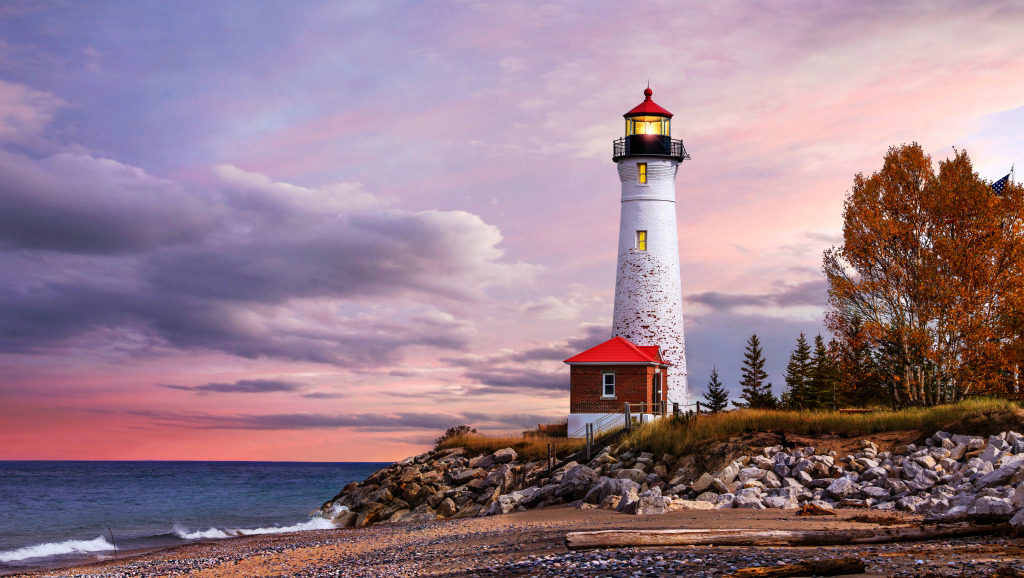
[(716, 395), (861, 382), (756, 392), (797, 375), (821, 383)]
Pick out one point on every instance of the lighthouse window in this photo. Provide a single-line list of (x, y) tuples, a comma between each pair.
[(641, 173), (641, 240), (609, 385)]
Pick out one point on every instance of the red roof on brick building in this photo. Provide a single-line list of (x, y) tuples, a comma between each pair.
[(619, 350), (647, 107)]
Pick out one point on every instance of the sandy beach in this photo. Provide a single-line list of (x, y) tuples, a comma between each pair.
[(532, 544)]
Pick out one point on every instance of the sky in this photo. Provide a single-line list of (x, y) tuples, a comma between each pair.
[(328, 231)]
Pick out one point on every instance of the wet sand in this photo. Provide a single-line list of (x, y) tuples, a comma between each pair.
[(532, 544)]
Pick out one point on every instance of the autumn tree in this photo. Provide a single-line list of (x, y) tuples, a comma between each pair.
[(756, 390), (930, 267), (716, 395)]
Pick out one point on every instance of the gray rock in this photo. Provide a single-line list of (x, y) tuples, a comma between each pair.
[(464, 475), (872, 473), (713, 497), (747, 474), (447, 508), (725, 500), (576, 483), (702, 483), (503, 504), (482, 461), (500, 476), (957, 452), (1000, 477), (504, 456), (992, 506), (783, 502), (781, 470), (728, 474), (610, 487), (991, 454), (748, 501), (528, 497), (718, 486), (369, 514), (1018, 519), (875, 493), (627, 501), (844, 488), (633, 474), (649, 502)]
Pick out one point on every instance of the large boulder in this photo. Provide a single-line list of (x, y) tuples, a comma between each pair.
[(649, 502), (528, 497), (369, 514), (991, 506), (627, 501), (702, 483), (463, 476), (447, 508), (633, 474), (728, 474), (500, 476), (844, 488), (609, 487), (576, 482), (504, 456), (485, 461), (503, 504)]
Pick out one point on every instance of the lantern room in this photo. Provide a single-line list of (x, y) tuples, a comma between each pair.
[(648, 132), (648, 118)]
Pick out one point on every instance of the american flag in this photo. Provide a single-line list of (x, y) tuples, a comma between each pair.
[(997, 187)]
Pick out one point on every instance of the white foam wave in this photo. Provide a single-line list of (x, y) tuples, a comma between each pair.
[(100, 544), (215, 533)]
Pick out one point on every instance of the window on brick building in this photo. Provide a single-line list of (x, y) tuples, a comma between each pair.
[(609, 385)]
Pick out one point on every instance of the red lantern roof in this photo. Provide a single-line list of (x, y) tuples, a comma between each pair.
[(648, 107), (619, 350)]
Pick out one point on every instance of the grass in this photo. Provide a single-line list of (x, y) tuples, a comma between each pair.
[(672, 436), (533, 447)]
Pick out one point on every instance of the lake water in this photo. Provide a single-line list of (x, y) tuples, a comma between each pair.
[(56, 513)]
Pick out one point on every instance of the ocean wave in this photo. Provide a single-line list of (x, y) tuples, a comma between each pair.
[(100, 544), (216, 533)]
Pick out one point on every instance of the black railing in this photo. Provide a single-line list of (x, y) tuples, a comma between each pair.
[(649, 145)]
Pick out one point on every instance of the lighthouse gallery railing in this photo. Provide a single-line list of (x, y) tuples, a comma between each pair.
[(649, 145)]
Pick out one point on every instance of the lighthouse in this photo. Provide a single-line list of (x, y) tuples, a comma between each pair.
[(648, 289)]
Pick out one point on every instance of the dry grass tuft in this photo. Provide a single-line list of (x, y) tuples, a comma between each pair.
[(533, 447), (672, 436)]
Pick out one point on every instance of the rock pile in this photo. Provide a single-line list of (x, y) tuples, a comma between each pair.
[(950, 477)]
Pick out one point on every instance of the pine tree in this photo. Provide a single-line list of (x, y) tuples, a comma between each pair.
[(797, 375), (756, 392), (821, 383), (716, 395)]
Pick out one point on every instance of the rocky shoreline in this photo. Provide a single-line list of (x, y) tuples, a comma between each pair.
[(949, 477)]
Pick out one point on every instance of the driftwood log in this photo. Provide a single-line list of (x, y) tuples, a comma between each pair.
[(740, 537), (808, 568)]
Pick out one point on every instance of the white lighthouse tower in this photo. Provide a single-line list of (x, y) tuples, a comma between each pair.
[(648, 292)]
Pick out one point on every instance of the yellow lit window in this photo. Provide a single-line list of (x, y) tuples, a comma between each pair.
[(641, 240), (641, 173)]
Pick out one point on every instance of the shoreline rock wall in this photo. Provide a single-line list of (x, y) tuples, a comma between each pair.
[(950, 477)]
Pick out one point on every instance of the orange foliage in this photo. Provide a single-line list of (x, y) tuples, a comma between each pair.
[(930, 273)]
